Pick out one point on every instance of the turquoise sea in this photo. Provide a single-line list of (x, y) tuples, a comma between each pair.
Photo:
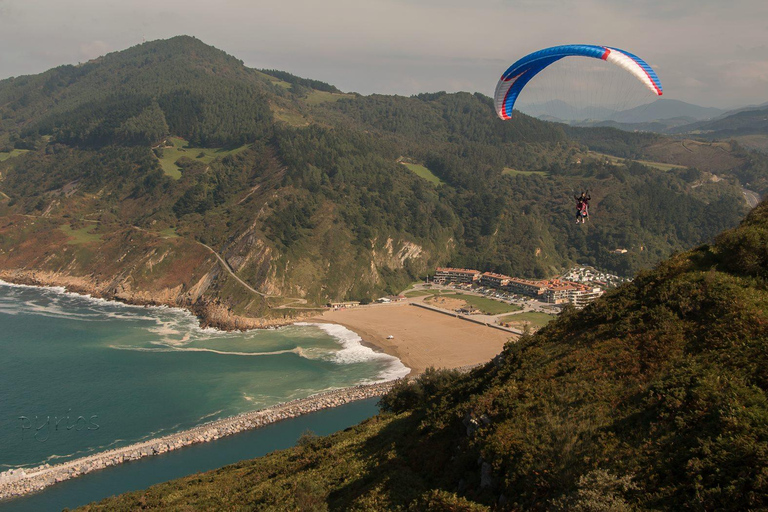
[(80, 375)]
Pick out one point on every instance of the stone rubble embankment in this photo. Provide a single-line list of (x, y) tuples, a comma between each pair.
[(17, 482)]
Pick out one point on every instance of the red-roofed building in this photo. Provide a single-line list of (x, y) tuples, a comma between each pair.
[(445, 275), (494, 280), (526, 287)]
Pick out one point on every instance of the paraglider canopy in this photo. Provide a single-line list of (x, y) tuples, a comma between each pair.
[(521, 72)]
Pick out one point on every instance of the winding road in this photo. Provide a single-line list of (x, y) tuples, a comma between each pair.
[(287, 305), (753, 198)]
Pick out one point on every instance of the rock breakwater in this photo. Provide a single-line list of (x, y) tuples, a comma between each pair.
[(17, 482)]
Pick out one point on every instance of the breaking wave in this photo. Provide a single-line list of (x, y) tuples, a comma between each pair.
[(353, 351)]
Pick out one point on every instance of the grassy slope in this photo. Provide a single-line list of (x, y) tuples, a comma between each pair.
[(618, 161), (715, 157), (515, 172), (654, 397), (423, 172), (317, 97), (533, 317), (83, 235), (181, 148), (5, 155), (758, 142)]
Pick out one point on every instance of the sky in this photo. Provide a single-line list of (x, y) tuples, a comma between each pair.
[(708, 52)]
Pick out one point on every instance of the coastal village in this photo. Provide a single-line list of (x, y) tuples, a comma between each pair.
[(511, 304), (553, 291), (579, 286)]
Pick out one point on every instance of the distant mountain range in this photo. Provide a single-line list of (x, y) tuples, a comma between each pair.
[(747, 125), (739, 122), (677, 111)]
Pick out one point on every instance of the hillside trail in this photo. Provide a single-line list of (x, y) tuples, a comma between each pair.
[(230, 270), (287, 305), (753, 198)]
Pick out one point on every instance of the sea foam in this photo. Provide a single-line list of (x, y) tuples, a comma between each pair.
[(353, 351)]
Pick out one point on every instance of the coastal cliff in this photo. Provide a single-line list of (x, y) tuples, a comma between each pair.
[(210, 312)]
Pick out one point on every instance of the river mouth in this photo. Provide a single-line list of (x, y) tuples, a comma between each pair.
[(20, 482), (143, 473)]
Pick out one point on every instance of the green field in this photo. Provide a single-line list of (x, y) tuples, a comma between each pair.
[(423, 172), (289, 117), (421, 293), (169, 233), (615, 160), (514, 172), (275, 81), (181, 148), (535, 319), (485, 305), (79, 236), (317, 97), (5, 155)]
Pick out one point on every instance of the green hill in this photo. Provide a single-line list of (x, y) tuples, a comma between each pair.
[(297, 186), (652, 398), (745, 122)]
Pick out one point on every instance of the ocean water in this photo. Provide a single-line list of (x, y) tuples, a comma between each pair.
[(80, 375), (143, 473)]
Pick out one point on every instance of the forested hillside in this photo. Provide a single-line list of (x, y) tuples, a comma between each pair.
[(174, 149), (746, 122), (651, 398), (749, 127)]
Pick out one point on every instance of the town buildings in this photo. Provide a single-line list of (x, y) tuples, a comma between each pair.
[(554, 291), (445, 275), (527, 287), (494, 280), (561, 292)]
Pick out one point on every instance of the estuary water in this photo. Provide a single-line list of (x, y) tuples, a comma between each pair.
[(143, 473), (80, 375)]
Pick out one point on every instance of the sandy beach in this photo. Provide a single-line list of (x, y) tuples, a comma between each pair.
[(421, 338)]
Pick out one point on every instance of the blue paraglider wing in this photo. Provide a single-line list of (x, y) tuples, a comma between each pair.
[(521, 72)]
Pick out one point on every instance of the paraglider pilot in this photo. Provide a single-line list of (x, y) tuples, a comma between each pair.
[(582, 207)]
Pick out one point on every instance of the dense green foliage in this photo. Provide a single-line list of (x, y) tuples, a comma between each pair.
[(746, 122), (181, 86), (521, 223), (652, 398), (307, 83)]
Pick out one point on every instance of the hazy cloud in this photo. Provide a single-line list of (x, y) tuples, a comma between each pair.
[(705, 51)]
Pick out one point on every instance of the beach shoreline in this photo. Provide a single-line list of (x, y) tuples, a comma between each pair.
[(418, 338), (374, 323)]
